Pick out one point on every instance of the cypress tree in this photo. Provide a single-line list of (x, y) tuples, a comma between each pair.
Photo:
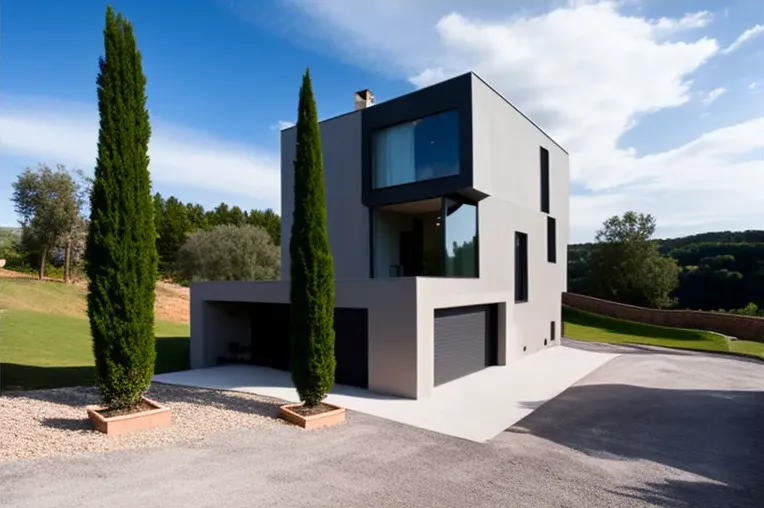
[(121, 256), (312, 268)]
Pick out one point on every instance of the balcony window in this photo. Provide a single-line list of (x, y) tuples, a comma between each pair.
[(461, 239), (435, 237), (423, 149)]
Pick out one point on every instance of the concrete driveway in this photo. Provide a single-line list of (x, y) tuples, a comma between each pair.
[(452, 407), (646, 429)]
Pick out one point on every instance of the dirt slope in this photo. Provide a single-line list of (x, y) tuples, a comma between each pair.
[(23, 291)]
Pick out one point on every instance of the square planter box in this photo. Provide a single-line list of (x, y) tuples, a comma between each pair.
[(334, 416), (160, 416)]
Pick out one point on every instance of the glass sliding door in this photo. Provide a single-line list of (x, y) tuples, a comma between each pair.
[(432, 238)]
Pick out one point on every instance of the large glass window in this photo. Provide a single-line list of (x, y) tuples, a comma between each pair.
[(424, 149), (461, 238)]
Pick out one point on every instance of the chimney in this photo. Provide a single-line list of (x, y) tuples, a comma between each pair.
[(363, 99)]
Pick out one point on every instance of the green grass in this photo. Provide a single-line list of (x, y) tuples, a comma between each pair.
[(583, 325), (46, 350)]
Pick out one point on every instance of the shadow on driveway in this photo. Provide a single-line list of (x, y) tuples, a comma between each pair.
[(716, 434)]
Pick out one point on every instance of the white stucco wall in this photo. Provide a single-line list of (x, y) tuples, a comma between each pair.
[(507, 167)]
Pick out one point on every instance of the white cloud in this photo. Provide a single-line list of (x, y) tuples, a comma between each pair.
[(63, 132), (752, 86), (281, 125), (670, 26), (714, 94), (587, 73), (746, 37)]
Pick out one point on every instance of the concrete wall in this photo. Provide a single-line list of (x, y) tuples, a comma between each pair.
[(347, 218), (392, 307), (507, 168), (741, 327)]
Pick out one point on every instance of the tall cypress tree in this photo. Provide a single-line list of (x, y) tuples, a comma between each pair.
[(121, 256), (312, 267)]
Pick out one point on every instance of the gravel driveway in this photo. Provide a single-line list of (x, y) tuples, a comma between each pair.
[(647, 429)]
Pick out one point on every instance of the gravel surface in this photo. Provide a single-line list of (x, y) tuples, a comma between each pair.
[(644, 430), (45, 423)]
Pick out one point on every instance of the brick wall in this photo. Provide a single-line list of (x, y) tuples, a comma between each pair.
[(741, 327)]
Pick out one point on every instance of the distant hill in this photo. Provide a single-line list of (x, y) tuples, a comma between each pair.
[(720, 270)]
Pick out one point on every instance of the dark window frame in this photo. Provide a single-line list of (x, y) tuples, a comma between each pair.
[(551, 239), (444, 224), (544, 174), (455, 93), (396, 186), (521, 267)]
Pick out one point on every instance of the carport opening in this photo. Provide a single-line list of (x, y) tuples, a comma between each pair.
[(260, 334)]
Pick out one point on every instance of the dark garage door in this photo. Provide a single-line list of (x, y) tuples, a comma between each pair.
[(271, 330), (466, 341)]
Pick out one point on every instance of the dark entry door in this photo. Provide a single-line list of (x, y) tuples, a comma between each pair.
[(466, 341), (351, 347), (271, 341)]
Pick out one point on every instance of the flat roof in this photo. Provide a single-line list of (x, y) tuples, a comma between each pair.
[(439, 83)]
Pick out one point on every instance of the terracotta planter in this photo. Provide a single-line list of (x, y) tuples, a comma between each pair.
[(160, 416), (334, 416)]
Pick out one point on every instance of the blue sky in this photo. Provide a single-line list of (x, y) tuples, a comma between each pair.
[(661, 104)]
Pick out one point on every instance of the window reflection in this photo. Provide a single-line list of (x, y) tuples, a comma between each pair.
[(461, 239), (415, 151)]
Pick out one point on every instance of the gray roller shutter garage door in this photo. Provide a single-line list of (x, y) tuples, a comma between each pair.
[(465, 341)]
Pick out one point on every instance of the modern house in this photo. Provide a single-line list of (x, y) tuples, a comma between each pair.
[(448, 223)]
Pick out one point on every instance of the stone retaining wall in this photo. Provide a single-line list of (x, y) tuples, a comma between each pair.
[(733, 325)]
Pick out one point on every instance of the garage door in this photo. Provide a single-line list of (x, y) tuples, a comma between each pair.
[(271, 332), (465, 341)]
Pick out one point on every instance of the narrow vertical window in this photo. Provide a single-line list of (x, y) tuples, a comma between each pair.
[(551, 239), (521, 267), (544, 167), (553, 330)]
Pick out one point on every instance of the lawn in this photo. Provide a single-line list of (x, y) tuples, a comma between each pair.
[(42, 350), (583, 325), (45, 337)]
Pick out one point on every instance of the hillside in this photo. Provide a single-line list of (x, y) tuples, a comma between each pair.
[(720, 270), (45, 336), (25, 292)]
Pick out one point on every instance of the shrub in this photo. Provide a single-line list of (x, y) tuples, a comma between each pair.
[(229, 253)]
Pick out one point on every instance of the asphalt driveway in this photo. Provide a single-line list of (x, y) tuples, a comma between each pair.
[(646, 429)]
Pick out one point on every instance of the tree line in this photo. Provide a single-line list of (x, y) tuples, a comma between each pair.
[(224, 243), (717, 271)]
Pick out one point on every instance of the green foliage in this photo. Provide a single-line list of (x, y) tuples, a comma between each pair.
[(626, 265), (10, 242), (49, 203), (719, 270), (462, 262), (229, 253), (121, 255), (173, 227), (312, 268), (749, 310), (177, 221)]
